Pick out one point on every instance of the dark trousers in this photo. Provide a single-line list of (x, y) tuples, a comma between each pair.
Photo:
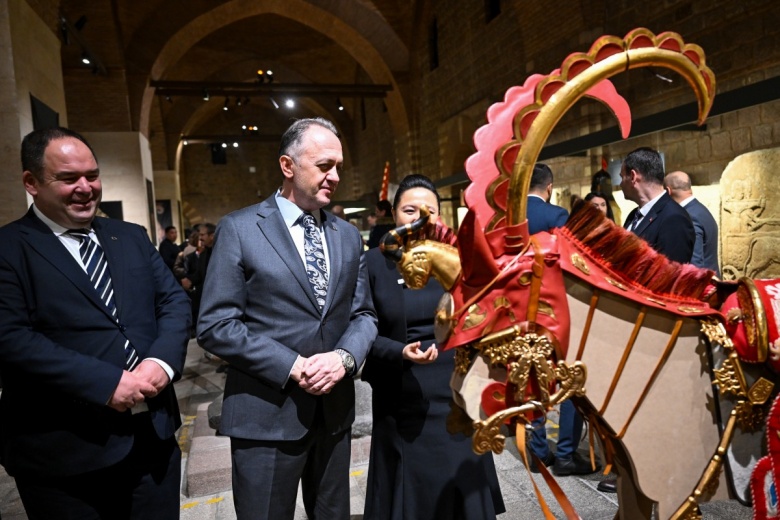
[(143, 486), (569, 432), (266, 476)]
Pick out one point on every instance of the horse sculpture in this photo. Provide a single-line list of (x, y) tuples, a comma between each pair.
[(589, 311)]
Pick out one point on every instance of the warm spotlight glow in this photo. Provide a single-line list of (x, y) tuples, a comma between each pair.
[(224, 145), (289, 103), (235, 145), (186, 142)]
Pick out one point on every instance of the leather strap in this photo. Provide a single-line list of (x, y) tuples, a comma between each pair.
[(558, 493)]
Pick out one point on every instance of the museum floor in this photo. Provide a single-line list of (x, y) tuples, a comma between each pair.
[(205, 468)]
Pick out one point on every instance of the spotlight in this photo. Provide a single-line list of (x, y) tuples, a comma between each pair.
[(85, 59), (274, 103), (269, 75), (224, 145), (243, 129), (260, 75), (186, 142), (206, 96), (238, 101), (168, 99), (235, 144), (338, 103), (289, 103), (225, 106)]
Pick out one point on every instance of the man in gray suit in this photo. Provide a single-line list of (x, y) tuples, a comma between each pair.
[(286, 304), (705, 248)]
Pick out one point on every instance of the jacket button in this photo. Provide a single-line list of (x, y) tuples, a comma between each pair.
[(122, 327)]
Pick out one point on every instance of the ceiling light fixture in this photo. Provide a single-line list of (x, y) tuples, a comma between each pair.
[(85, 59), (274, 103), (206, 96), (289, 103), (338, 103), (225, 106), (269, 76)]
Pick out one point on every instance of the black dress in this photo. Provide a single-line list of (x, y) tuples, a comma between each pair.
[(417, 469)]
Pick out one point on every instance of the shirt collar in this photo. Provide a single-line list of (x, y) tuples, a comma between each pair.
[(56, 228), (687, 201), (644, 210), (291, 213)]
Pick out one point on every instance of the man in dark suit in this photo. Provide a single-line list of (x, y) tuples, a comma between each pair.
[(168, 248), (93, 329), (543, 216), (705, 248), (658, 219), (287, 305)]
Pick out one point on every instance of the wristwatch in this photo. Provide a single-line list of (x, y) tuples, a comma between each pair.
[(347, 360)]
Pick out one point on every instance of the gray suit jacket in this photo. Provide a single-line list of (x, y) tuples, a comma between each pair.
[(258, 313), (705, 249)]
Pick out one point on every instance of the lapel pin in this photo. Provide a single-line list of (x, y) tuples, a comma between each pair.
[(114, 238)]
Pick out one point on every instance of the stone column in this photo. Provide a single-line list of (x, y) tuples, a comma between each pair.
[(29, 65), (126, 170)]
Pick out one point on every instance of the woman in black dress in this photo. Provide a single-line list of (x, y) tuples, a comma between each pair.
[(417, 469)]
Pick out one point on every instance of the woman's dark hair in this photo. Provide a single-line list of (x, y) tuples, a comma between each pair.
[(415, 180), (600, 195)]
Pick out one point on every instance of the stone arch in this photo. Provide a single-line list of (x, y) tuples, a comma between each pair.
[(302, 12)]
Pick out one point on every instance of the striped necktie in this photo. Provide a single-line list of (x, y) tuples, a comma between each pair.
[(316, 268), (97, 269), (635, 221)]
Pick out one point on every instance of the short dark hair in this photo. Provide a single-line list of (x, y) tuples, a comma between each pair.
[(541, 177), (291, 139), (648, 163), (385, 206), (415, 180), (169, 228), (34, 147), (210, 228)]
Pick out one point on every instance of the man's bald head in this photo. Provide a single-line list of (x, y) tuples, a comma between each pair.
[(678, 185)]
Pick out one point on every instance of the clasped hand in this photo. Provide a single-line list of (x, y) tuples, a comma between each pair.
[(319, 373), (146, 380)]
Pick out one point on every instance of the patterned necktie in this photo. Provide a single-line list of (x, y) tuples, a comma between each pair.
[(97, 269), (316, 268), (635, 220)]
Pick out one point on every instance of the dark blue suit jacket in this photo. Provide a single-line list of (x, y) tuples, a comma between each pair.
[(705, 248), (62, 353), (667, 228), (543, 216)]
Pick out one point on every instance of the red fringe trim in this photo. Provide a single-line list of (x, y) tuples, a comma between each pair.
[(632, 257)]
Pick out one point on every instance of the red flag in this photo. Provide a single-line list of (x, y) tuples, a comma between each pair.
[(603, 163), (385, 182)]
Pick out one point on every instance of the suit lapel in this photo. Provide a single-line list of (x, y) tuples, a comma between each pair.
[(272, 225), (333, 238), (650, 217), (48, 246)]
